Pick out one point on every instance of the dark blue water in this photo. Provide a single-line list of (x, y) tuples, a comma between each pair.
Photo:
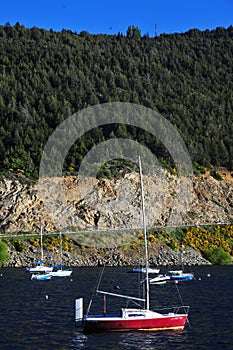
[(40, 314)]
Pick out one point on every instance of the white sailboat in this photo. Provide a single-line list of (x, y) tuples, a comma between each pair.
[(40, 267), (60, 272), (143, 270), (160, 279), (132, 319)]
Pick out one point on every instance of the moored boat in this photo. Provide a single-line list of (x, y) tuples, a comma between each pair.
[(160, 279), (136, 319), (41, 277), (140, 318), (58, 270), (39, 266), (180, 275), (151, 270), (61, 273)]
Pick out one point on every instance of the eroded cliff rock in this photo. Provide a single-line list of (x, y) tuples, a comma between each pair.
[(62, 204)]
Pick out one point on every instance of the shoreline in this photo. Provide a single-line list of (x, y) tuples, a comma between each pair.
[(159, 255)]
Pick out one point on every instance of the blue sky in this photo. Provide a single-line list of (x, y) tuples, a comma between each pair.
[(113, 16)]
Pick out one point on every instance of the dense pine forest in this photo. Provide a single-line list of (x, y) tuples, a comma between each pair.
[(46, 76)]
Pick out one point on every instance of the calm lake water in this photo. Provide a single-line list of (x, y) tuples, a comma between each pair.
[(40, 314)]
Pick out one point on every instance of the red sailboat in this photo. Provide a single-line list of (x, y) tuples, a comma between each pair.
[(132, 319)]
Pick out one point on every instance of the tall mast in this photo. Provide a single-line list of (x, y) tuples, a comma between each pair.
[(145, 238), (41, 243), (61, 249)]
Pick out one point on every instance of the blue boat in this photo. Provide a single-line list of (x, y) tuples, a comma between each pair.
[(180, 275), (41, 277)]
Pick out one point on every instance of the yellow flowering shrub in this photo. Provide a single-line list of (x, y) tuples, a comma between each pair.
[(210, 238), (201, 238)]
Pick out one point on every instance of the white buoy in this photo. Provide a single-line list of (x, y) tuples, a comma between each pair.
[(46, 296)]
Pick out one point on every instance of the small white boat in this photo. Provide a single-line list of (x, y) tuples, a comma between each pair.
[(143, 270), (61, 273), (160, 279), (39, 265), (58, 270), (40, 268)]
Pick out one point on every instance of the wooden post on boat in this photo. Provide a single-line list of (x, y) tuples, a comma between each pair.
[(78, 311), (105, 304)]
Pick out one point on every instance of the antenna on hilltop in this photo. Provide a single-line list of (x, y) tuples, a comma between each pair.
[(156, 30)]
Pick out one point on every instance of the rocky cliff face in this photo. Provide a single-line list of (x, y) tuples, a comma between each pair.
[(90, 203), (76, 205)]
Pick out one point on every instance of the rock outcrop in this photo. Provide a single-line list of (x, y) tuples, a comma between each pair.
[(83, 206), (160, 255), (62, 204)]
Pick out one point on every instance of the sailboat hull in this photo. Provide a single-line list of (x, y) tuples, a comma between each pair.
[(111, 323), (180, 275), (40, 268), (61, 273), (186, 278)]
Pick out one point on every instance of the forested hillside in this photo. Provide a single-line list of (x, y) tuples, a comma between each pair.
[(46, 76)]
